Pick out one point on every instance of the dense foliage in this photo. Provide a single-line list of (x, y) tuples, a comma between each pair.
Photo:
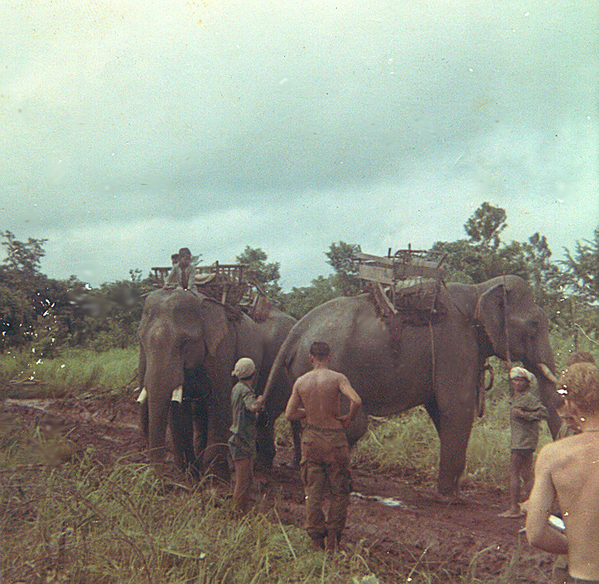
[(49, 314)]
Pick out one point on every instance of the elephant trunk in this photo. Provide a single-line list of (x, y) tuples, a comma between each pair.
[(547, 373), (163, 385), (547, 380), (158, 410)]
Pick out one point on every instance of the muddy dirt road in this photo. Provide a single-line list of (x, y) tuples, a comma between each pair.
[(412, 526)]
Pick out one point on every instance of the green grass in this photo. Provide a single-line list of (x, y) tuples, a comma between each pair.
[(81, 522), (77, 372), (408, 445), (65, 518)]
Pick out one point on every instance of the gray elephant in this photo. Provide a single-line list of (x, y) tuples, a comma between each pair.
[(396, 364), (189, 344)]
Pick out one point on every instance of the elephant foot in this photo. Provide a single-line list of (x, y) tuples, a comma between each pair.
[(264, 464), (449, 499)]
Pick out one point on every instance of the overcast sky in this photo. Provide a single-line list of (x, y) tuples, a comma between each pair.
[(131, 128)]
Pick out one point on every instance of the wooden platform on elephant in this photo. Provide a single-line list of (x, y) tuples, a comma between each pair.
[(233, 285), (406, 282)]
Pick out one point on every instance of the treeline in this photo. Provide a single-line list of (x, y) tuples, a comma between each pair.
[(47, 315)]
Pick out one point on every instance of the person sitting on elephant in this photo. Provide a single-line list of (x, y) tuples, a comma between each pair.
[(525, 415), (242, 443), (565, 472), (183, 273), (325, 449)]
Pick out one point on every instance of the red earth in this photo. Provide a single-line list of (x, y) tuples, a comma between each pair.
[(396, 521)]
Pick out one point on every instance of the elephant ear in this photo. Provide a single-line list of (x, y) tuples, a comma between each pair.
[(214, 324), (490, 313)]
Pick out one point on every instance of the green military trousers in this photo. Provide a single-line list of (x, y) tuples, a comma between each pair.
[(325, 473)]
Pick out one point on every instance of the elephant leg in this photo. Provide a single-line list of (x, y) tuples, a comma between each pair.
[(265, 441), (454, 432), (182, 433), (433, 411), (144, 421), (200, 433)]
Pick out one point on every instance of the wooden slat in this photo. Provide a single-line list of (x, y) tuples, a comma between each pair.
[(409, 270), (376, 273)]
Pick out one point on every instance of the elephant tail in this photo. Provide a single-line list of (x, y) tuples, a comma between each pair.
[(279, 381)]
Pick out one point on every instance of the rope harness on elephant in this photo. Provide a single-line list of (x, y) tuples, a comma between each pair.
[(408, 313), (508, 360)]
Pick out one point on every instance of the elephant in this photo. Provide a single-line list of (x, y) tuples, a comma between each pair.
[(396, 364), (189, 344)]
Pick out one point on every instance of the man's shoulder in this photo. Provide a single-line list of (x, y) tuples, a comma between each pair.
[(319, 378), (240, 388), (553, 453)]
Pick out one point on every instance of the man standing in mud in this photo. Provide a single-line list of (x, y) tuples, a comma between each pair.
[(325, 450)]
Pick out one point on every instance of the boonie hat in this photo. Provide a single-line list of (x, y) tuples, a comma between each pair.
[(521, 372), (244, 368)]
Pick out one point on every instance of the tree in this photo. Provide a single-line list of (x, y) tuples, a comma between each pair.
[(21, 256), (24, 292), (343, 258), (544, 277), (267, 274), (484, 227), (484, 256), (302, 300), (582, 269), (108, 316)]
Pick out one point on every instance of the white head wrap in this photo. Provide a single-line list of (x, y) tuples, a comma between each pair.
[(244, 368), (521, 372)]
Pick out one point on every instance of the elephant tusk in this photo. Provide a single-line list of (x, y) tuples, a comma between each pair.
[(178, 394), (143, 396), (547, 373)]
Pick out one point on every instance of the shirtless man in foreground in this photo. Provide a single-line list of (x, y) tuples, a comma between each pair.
[(567, 470), (325, 450)]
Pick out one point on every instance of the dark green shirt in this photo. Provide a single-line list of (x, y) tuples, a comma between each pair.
[(243, 420), (525, 427)]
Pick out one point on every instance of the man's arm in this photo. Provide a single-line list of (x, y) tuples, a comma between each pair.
[(355, 401), (173, 278), (257, 404), (294, 409), (191, 281), (535, 416), (542, 497)]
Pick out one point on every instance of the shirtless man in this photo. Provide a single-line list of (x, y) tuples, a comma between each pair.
[(566, 471), (325, 450)]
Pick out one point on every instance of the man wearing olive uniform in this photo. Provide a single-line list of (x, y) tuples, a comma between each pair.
[(325, 450)]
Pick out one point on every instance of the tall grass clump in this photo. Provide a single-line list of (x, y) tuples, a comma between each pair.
[(75, 372), (406, 444)]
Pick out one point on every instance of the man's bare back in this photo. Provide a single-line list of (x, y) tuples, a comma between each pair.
[(315, 397), (319, 391), (570, 468), (567, 472), (325, 450)]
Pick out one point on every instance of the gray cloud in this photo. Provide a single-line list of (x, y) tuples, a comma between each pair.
[(132, 129)]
